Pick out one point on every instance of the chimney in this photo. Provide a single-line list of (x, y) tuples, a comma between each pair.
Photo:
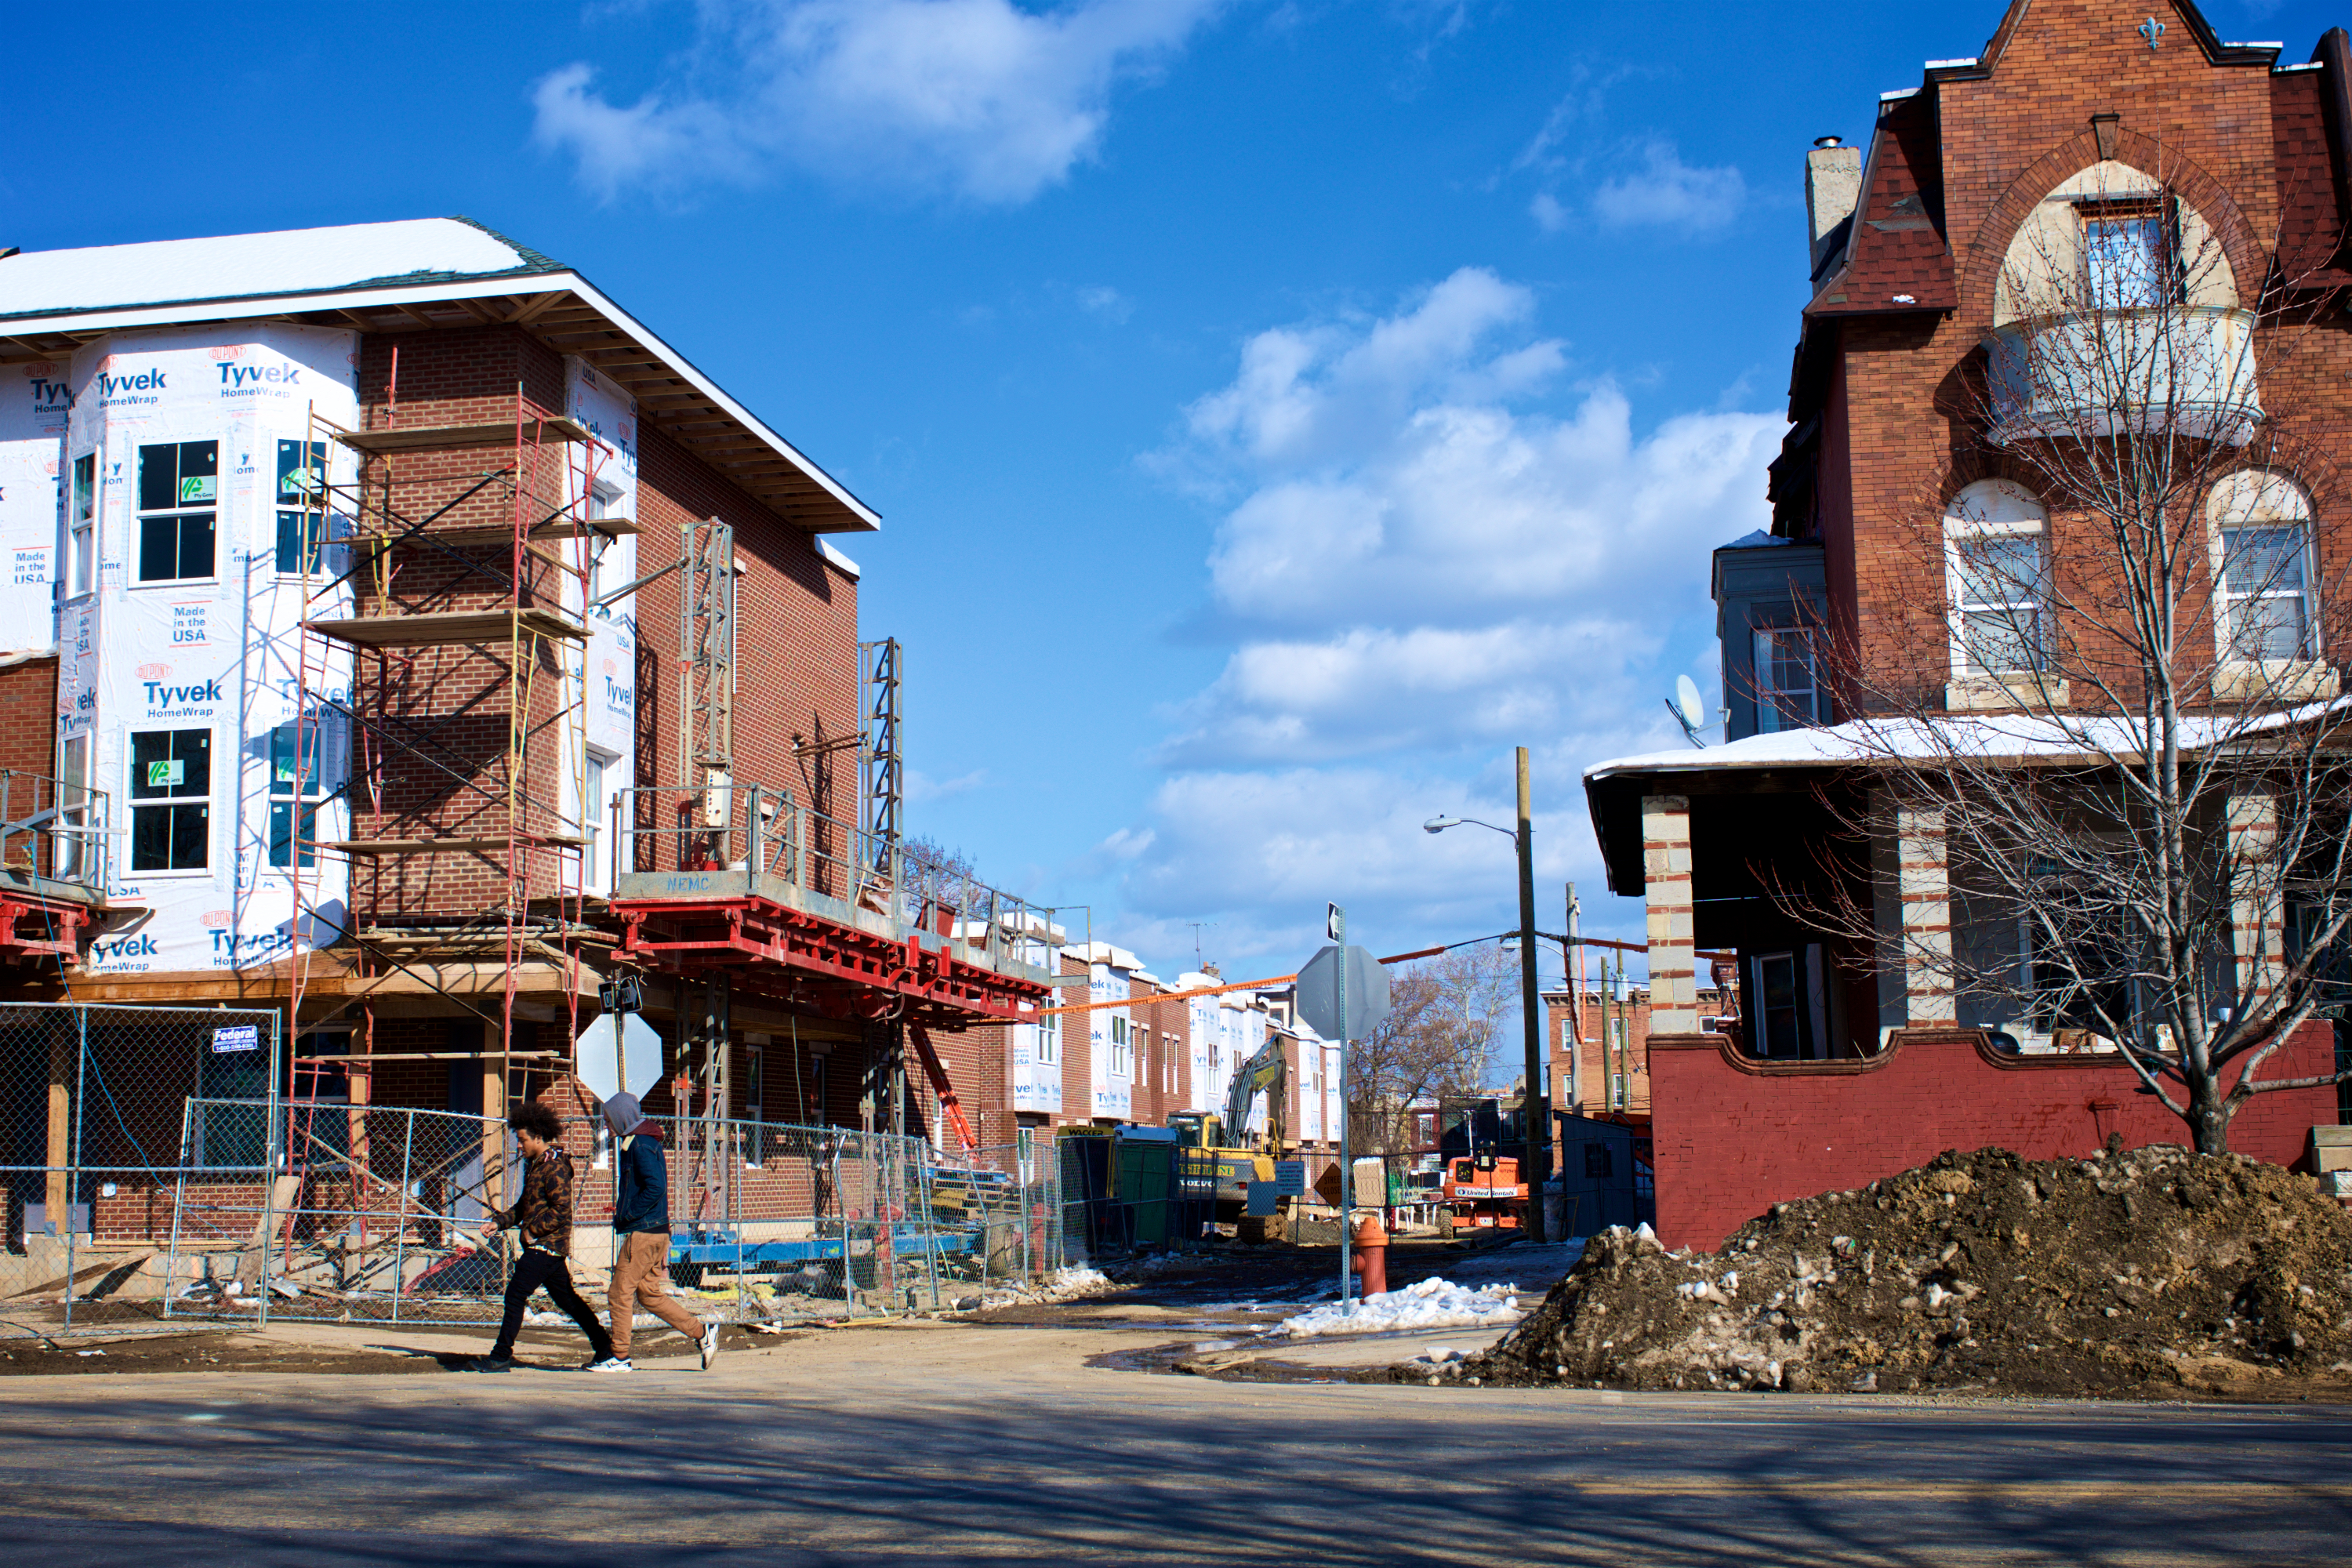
[(1833, 187)]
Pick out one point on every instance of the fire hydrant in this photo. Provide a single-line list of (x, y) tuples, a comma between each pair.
[(1371, 1255)]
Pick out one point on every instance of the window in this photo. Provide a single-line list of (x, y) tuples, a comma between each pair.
[(171, 799), (1617, 1091), (2124, 254), (1120, 1060), (74, 849), (1785, 683), (1777, 1018), (1997, 565), (294, 783), (595, 808), (1597, 1165), (755, 1105), (2260, 528), (83, 523), (301, 506), (179, 495), (1049, 1040)]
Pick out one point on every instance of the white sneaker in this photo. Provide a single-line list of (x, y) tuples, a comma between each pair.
[(710, 1344), (612, 1363)]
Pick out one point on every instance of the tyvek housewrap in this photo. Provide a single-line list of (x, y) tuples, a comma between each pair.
[(220, 654), (606, 666), (34, 400)]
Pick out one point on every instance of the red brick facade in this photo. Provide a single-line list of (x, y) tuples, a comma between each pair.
[(1734, 1136)]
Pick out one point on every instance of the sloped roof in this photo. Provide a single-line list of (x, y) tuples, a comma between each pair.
[(402, 276), (244, 265), (1896, 256)]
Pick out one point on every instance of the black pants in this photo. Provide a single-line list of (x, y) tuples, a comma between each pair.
[(533, 1270)]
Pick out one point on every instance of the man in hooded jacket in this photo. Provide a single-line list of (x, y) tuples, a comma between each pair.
[(641, 1232)]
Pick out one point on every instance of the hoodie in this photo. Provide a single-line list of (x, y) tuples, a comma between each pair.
[(640, 1170)]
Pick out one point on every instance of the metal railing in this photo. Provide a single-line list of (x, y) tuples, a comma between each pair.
[(56, 830), (751, 839)]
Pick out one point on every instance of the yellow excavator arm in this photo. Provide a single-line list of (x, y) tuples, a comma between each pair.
[(1262, 1071)]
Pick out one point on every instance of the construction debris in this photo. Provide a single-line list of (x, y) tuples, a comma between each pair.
[(2148, 1271)]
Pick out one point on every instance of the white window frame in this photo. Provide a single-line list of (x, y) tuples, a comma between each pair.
[(81, 526), (1121, 1053), (167, 803), (1993, 509), (1773, 704), (180, 508), (2251, 498), (1049, 1040), (73, 850), (596, 765)]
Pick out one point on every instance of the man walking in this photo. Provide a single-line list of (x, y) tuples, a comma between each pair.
[(543, 1215), (641, 1231)]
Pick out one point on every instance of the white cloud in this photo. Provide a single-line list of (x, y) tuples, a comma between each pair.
[(1549, 215), (981, 99), (1665, 192), (922, 788), (1107, 304), (1428, 555)]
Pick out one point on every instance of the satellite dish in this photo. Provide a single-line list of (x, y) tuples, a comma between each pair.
[(1688, 709)]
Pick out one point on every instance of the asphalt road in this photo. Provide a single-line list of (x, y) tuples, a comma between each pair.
[(945, 1446)]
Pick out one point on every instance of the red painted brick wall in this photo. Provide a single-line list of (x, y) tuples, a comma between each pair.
[(1734, 1136)]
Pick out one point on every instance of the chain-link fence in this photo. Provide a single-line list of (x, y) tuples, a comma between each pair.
[(93, 1145), (375, 1214)]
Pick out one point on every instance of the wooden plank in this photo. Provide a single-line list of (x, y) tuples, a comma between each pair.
[(415, 438), (449, 846), (539, 306), (477, 538), (447, 627)]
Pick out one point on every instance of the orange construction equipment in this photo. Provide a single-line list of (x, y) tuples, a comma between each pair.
[(1484, 1192)]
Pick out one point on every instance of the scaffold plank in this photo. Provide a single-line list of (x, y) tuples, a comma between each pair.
[(417, 437), (450, 845), (444, 627)]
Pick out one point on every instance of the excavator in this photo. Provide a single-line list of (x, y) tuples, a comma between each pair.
[(1222, 1141)]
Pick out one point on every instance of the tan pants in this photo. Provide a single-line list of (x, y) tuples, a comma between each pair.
[(641, 1274)]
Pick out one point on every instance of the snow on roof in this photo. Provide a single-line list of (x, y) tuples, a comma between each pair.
[(1989, 738), (256, 266)]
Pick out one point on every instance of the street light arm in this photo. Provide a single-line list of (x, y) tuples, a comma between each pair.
[(1440, 824)]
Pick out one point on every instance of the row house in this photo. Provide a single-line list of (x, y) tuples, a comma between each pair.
[(1600, 1038), (2060, 503)]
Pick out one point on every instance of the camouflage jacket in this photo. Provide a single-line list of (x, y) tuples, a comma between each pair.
[(544, 1211)]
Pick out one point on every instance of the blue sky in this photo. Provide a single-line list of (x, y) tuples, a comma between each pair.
[(1278, 409)]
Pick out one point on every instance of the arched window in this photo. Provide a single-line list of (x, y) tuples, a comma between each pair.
[(2111, 237), (2258, 532), (1997, 571)]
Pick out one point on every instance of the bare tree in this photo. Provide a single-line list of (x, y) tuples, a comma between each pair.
[(2114, 731), (1445, 1016)]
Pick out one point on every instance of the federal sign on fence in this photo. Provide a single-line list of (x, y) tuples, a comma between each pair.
[(236, 1038)]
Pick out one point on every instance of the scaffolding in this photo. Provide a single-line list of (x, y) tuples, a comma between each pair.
[(445, 653)]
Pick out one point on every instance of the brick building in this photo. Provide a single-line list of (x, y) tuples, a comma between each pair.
[(2108, 233), (1600, 1045), (349, 591)]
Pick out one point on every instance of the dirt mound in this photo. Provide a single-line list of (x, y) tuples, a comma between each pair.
[(2152, 1270)]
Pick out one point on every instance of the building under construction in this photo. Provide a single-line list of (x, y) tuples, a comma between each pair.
[(405, 640)]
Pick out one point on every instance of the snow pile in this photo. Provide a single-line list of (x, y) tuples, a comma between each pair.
[(1062, 1285), (1432, 1304)]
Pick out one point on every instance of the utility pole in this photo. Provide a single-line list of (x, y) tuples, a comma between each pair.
[(1533, 1107), (1572, 977)]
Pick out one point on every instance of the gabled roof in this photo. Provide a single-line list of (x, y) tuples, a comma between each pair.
[(2217, 51), (1897, 258), (402, 276)]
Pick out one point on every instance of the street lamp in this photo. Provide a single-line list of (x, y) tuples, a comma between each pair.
[(1534, 1114)]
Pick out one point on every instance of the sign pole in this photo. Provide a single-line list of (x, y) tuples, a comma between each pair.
[(1335, 928)]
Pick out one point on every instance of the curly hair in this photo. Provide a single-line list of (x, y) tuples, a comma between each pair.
[(536, 1118)]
